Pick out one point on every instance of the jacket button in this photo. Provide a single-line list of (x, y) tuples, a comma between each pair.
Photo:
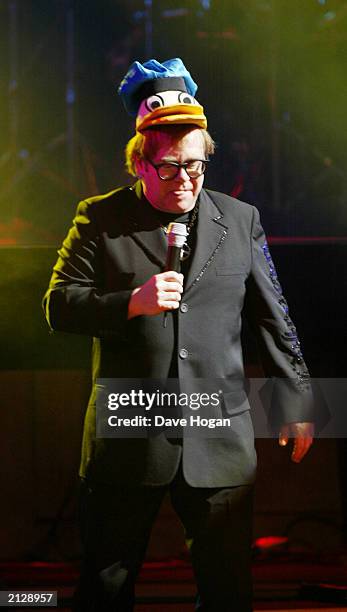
[(184, 307), (183, 353)]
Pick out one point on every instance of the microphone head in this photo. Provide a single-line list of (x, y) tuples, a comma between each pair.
[(177, 234)]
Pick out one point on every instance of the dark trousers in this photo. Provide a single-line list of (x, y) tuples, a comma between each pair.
[(116, 525)]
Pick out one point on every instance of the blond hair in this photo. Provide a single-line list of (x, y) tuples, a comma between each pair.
[(146, 144)]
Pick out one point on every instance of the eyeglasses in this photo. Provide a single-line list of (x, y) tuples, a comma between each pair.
[(167, 171)]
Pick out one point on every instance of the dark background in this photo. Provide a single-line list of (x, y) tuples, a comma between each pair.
[(271, 77)]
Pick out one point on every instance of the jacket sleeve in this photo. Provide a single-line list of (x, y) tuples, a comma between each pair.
[(76, 300), (267, 312)]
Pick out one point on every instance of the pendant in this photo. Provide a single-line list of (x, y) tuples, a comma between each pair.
[(185, 252)]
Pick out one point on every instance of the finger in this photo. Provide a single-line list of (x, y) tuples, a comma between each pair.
[(283, 436), (171, 305), (171, 275), (169, 296), (170, 286), (282, 440), (301, 447)]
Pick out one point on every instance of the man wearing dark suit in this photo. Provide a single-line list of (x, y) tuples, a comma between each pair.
[(148, 324)]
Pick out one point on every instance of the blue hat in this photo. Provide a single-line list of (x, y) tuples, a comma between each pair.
[(142, 80)]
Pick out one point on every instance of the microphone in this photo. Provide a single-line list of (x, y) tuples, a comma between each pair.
[(176, 235)]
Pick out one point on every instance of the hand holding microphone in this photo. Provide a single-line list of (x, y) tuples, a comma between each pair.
[(162, 292)]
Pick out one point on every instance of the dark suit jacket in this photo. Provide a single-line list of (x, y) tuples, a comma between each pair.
[(116, 244)]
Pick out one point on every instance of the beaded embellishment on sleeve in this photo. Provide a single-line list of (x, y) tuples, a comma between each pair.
[(297, 361)]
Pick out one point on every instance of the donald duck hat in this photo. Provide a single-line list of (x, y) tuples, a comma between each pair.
[(161, 94)]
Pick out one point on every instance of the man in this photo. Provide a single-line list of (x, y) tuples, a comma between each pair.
[(148, 324)]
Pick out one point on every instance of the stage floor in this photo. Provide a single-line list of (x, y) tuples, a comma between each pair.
[(299, 582)]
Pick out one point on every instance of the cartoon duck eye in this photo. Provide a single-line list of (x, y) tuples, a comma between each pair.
[(185, 98), (154, 102)]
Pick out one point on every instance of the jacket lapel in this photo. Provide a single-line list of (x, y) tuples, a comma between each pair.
[(146, 230), (211, 233)]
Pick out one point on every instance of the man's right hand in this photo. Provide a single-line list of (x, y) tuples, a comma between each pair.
[(161, 292)]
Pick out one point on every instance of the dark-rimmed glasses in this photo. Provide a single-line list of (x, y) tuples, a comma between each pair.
[(167, 171)]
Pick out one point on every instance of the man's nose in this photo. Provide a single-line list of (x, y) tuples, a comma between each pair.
[(182, 175)]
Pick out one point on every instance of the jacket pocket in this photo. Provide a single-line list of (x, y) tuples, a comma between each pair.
[(235, 402), (231, 271)]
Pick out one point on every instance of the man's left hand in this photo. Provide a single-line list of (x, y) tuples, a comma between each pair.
[(303, 437)]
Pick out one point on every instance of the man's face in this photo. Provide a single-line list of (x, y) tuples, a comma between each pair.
[(180, 193)]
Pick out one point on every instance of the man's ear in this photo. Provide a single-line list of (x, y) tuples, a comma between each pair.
[(140, 166)]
